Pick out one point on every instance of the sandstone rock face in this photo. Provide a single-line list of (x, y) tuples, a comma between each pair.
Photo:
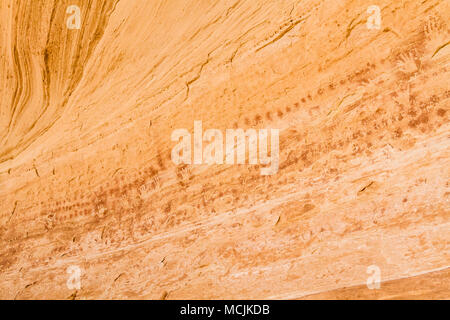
[(359, 206)]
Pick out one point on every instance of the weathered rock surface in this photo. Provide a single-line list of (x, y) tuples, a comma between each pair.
[(86, 177)]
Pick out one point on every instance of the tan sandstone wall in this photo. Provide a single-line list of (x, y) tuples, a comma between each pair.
[(87, 179)]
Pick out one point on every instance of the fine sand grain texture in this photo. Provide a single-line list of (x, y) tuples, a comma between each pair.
[(88, 183)]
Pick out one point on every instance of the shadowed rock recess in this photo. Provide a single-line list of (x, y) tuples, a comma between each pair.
[(87, 179)]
